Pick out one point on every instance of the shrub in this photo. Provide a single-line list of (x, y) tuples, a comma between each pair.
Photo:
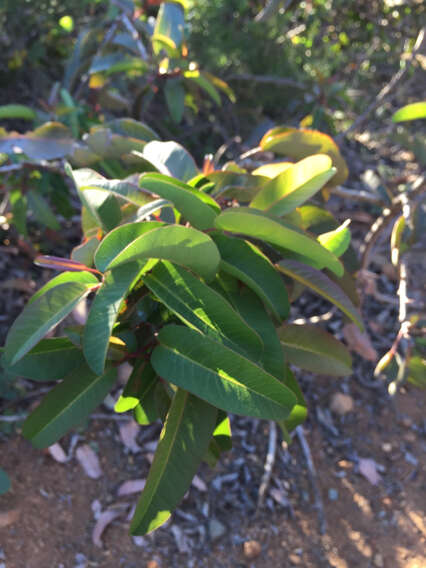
[(190, 276)]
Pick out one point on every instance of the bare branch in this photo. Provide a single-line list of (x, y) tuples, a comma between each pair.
[(386, 90), (269, 463)]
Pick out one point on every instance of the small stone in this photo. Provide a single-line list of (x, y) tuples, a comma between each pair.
[(410, 437), (407, 422), (333, 494), (252, 549), (378, 560), (295, 559), (341, 403), (152, 564), (387, 448), (216, 529)]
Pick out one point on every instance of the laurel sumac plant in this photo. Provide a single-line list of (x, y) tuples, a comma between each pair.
[(189, 277)]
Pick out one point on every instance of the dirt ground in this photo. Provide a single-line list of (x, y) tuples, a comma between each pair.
[(51, 505)]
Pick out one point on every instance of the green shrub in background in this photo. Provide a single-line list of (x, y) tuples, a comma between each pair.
[(190, 277)]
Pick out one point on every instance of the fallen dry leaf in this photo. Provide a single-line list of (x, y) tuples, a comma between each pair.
[(131, 486), (9, 518), (89, 461), (199, 484), (103, 521), (368, 469), (359, 342), (128, 434), (57, 453)]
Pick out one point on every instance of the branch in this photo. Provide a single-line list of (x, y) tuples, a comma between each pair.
[(269, 463), (135, 35), (313, 478), (386, 90), (272, 79)]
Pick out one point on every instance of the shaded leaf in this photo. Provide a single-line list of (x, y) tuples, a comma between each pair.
[(311, 348), (245, 261), (200, 307), (42, 315), (359, 342), (50, 360), (183, 443), (4, 482), (322, 285), (67, 405), (219, 375), (104, 311), (48, 142), (175, 98)]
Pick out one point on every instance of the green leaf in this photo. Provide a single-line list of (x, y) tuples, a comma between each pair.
[(311, 348), (50, 360), (67, 405), (294, 185), (197, 207), (171, 159), (410, 112), (4, 482), (300, 143), (322, 285), (252, 310), (42, 211), (200, 307), (118, 239), (104, 207), (416, 373), (104, 312), (19, 205), (170, 23), (219, 375), (299, 413), (182, 245), (48, 142), (256, 224), (183, 443), (85, 252), (204, 83), (139, 394), (17, 111), (175, 98), (133, 128), (42, 315), (221, 441), (87, 179), (336, 241), (245, 261), (82, 277)]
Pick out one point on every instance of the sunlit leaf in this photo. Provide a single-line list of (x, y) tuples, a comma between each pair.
[(413, 111), (253, 223), (298, 144), (294, 185)]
